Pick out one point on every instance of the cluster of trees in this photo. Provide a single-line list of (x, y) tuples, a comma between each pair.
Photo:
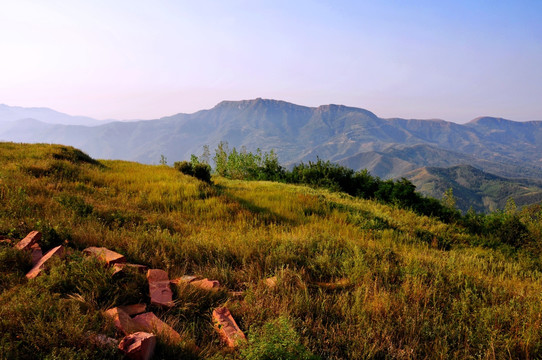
[(260, 165)]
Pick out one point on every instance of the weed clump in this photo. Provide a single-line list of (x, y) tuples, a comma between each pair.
[(276, 340)]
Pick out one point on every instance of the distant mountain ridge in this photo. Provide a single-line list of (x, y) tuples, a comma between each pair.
[(352, 136), (299, 133), (46, 115)]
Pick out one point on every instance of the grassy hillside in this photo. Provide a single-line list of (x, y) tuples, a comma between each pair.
[(473, 187), (416, 287)]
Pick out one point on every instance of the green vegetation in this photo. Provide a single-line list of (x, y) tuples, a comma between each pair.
[(418, 287), (482, 191), (325, 174)]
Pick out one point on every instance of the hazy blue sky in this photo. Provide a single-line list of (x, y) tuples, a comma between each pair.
[(454, 60)]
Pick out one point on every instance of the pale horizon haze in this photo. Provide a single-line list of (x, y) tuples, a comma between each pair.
[(453, 60)]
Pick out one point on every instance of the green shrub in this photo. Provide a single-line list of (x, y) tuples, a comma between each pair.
[(276, 339), (202, 172), (185, 167)]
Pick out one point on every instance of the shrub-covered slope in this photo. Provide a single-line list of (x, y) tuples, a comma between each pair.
[(409, 286)]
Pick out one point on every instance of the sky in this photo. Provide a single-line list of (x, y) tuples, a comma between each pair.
[(454, 60)]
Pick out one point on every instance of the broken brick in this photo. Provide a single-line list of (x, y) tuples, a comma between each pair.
[(41, 264), (138, 346), (103, 254), (227, 327), (122, 321), (185, 279), (151, 323), (159, 288), (206, 284), (30, 239)]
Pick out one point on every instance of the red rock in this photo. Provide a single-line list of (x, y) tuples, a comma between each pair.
[(103, 254), (206, 284), (40, 265), (133, 309), (151, 323), (119, 267), (36, 253), (185, 279), (227, 327), (30, 239), (138, 346), (123, 322), (159, 289)]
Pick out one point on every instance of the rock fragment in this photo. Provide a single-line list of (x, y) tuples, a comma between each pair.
[(185, 279), (123, 322), (227, 327), (41, 264), (30, 239), (159, 288), (206, 284), (138, 346), (103, 254), (151, 323)]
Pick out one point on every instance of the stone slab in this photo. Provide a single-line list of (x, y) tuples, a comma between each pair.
[(227, 327), (185, 279), (41, 264), (122, 321), (206, 284), (159, 288), (103, 254), (151, 323), (138, 346), (30, 239)]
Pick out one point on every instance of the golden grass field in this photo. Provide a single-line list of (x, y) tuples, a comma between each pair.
[(416, 288)]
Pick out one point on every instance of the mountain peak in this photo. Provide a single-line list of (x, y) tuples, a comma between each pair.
[(488, 120), (243, 104)]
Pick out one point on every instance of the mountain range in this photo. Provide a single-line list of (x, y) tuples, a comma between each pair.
[(353, 137)]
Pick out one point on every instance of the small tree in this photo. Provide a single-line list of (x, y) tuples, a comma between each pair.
[(221, 159), (448, 200), (163, 160)]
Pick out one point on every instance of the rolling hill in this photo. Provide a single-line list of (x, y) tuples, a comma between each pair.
[(306, 273)]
